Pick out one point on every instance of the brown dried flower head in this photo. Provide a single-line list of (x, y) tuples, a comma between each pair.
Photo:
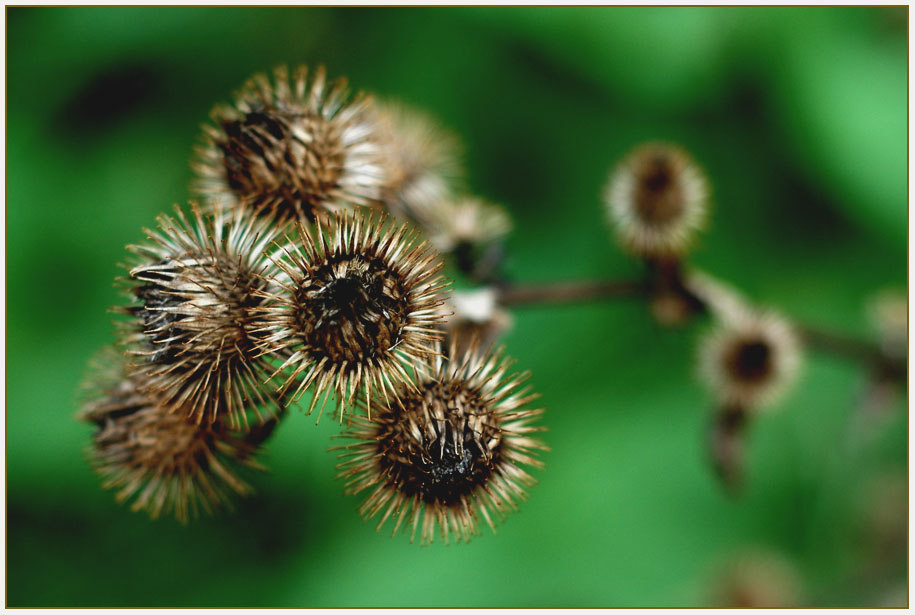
[(296, 149), (749, 359), (467, 221), (888, 312), (657, 198), (161, 460), (474, 317), (196, 286), (359, 307), (756, 578), (423, 159), (447, 452)]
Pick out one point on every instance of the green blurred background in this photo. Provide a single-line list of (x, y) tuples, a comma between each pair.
[(799, 117)]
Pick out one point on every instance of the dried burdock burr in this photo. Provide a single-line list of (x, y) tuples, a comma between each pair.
[(883, 516), (360, 306), (447, 452), (656, 199), (465, 221), (756, 578), (159, 459), (422, 157), (196, 286), (749, 358), (470, 231), (294, 149), (474, 317), (888, 312)]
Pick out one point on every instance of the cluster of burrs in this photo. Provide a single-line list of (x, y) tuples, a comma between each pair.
[(657, 199), (310, 270)]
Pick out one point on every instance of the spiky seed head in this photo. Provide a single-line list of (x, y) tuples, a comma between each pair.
[(883, 515), (293, 150), (756, 578), (360, 307), (159, 459), (657, 198), (749, 359), (466, 222), (448, 452), (888, 311), (474, 317), (423, 159), (196, 285)]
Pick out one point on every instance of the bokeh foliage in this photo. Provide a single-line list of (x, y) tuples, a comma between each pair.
[(797, 114)]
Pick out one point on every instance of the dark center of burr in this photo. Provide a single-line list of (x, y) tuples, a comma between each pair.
[(456, 452), (347, 294), (752, 361), (658, 198), (658, 178), (352, 311), (449, 469)]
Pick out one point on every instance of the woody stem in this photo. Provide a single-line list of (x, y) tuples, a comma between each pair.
[(857, 350), (569, 292)]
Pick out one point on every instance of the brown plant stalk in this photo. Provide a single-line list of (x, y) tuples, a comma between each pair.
[(866, 352)]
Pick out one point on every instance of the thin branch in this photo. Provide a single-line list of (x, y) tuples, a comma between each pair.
[(858, 350), (570, 292), (835, 343)]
